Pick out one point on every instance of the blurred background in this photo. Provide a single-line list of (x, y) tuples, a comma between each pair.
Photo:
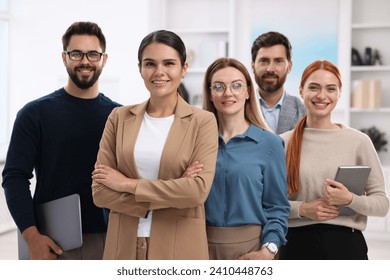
[(31, 66)]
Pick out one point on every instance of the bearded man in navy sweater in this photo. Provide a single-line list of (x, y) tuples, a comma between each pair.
[(57, 137)]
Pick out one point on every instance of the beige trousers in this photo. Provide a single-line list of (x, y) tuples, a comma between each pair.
[(229, 243), (142, 248)]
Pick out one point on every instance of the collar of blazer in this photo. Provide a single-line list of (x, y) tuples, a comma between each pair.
[(183, 109)]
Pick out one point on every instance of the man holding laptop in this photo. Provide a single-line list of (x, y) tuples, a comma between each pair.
[(57, 137)]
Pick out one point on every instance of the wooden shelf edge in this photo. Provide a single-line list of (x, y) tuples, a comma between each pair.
[(370, 68), (370, 25), (370, 110)]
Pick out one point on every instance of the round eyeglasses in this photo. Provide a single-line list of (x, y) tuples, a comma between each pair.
[(219, 89), (79, 55)]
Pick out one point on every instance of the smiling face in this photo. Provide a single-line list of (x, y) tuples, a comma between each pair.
[(84, 73), (161, 69), (230, 103), (320, 94), (270, 68)]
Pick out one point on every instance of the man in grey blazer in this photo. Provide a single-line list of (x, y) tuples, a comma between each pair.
[(271, 63)]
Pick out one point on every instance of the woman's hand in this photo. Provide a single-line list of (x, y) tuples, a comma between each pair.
[(192, 170), (336, 193), (114, 179), (318, 210)]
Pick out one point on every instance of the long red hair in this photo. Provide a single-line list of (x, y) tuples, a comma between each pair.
[(293, 153)]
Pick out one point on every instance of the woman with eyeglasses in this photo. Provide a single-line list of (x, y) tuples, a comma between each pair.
[(247, 208), (155, 212)]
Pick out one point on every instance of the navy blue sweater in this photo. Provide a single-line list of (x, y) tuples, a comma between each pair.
[(57, 137)]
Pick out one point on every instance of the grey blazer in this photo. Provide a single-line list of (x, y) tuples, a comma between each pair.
[(291, 112)]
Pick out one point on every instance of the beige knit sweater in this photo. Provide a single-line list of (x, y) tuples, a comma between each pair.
[(323, 150)]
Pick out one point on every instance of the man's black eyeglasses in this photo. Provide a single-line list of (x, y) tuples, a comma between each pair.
[(78, 55)]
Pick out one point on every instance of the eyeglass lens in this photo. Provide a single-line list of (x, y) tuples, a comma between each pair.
[(220, 89), (78, 55)]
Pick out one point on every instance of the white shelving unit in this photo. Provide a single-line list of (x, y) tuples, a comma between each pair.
[(370, 27)]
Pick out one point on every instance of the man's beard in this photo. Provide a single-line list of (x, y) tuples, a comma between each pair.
[(84, 83), (269, 88)]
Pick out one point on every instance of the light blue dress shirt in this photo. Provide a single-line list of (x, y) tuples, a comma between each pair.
[(271, 115), (250, 185)]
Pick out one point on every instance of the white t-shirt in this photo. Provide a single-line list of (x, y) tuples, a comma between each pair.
[(147, 153)]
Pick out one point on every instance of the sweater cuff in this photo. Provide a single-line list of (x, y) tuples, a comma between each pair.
[(294, 211)]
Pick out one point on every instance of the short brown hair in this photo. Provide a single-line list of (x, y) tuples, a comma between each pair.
[(270, 39), (84, 28)]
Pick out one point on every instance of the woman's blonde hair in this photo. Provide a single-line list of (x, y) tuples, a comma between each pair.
[(252, 108)]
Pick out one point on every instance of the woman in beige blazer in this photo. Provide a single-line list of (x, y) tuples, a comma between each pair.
[(156, 212)]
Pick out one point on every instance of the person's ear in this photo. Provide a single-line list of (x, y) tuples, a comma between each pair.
[(105, 56), (184, 70), (289, 67), (63, 55), (140, 70)]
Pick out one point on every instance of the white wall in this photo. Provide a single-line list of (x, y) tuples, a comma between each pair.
[(36, 28)]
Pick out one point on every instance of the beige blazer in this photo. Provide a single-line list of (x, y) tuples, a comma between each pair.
[(178, 225)]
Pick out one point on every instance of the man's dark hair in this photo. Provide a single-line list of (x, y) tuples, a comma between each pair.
[(270, 39), (84, 28)]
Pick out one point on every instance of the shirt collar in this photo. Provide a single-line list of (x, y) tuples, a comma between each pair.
[(277, 105), (254, 133)]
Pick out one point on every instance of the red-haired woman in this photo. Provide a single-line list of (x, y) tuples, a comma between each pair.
[(315, 149)]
